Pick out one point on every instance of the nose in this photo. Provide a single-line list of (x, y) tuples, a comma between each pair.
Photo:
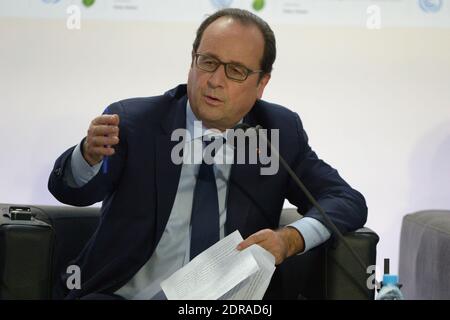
[(218, 77)]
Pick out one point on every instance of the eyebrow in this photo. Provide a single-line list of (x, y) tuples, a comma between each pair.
[(231, 61)]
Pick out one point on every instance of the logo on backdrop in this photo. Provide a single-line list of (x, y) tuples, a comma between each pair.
[(431, 6), (258, 5), (88, 3)]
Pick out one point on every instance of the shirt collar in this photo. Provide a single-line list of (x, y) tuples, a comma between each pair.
[(196, 128)]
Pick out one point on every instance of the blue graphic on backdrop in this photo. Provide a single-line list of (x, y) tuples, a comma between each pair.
[(431, 6), (220, 4)]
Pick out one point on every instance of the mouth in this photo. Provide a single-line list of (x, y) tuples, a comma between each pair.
[(212, 100)]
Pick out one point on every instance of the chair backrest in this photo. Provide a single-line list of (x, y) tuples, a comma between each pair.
[(34, 253), (73, 227), (25, 257), (424, 264), (325, 272)]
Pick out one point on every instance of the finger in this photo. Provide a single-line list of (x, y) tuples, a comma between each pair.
[(102, 130), (107, 119), (103, 141), (102, 151), (270, 245), (255, 238)]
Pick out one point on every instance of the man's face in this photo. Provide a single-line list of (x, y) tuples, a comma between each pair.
[(215, 99)]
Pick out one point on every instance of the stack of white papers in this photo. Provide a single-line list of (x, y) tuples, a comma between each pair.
[(223, 272)]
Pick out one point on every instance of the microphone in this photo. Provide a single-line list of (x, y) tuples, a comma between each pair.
[(299, 183)]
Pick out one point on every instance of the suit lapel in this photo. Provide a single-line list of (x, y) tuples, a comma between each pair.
[(241, 190), (167, 173), (242, 187)]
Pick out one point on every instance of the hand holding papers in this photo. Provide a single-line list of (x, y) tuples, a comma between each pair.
[(223, 272)]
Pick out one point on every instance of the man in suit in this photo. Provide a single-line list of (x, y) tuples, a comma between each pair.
[(151, 208)]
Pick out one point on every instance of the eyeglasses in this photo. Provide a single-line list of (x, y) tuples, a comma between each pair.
[(233, 71)]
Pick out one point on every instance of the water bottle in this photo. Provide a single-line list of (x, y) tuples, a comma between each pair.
[(390, 289)]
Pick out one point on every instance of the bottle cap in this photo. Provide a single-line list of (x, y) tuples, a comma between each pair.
[(390, 279)]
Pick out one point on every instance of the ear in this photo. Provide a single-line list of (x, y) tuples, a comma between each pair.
[(262, 84)]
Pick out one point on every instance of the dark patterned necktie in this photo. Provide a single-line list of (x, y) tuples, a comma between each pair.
[(205, 210)]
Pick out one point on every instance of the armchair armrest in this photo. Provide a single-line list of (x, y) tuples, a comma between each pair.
[(34, 253), (25, 258), (328, 271), (345, 277)]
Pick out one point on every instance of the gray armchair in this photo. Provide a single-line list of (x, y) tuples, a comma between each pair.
[(33, 253), (424, 264)]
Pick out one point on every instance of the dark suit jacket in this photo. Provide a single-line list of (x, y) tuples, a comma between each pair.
[(139, 190)]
